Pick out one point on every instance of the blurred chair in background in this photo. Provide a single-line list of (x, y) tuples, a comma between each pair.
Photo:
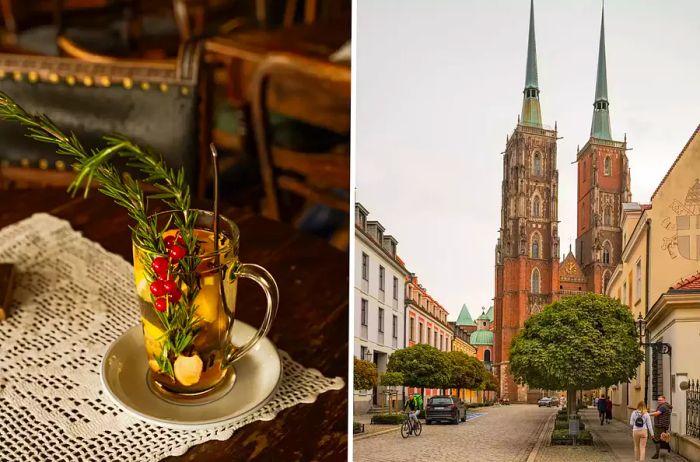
[(301, 123)]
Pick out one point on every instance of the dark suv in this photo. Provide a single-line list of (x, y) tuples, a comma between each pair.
[(446, 408)]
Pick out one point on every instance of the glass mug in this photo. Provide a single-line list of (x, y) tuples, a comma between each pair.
[(188, 306)]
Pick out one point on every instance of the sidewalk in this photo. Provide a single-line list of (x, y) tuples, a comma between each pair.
[(616, 438), (371, 429)]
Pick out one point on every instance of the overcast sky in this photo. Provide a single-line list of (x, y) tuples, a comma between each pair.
[(439, 86)]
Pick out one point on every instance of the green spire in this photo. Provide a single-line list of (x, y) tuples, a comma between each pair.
[(531, 114), (464, 318), (600, 128), (489, 313)]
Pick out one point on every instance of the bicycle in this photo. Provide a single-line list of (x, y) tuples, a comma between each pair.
[(408, 427)]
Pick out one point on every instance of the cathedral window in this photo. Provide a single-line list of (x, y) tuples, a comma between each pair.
[(535, 281), (606, 253), (537, 165), (607, 216), (536, 207), (535, 248), (607, 166), (606, 281)]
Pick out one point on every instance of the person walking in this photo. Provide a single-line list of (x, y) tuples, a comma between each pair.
[(601, 409), (662, 423), (640, 420), (608, 409)]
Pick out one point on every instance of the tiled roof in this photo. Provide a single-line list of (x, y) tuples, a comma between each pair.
[(689, 283), (695, 133)]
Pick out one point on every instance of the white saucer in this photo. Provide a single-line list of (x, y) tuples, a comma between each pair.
[(123, 378)]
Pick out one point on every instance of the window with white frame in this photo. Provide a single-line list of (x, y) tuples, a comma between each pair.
[(380, 318), (430, 338), (395, 327), (363, 312), (381, 278), (412, 329), (396, 288), (365, 266), (420, 332)]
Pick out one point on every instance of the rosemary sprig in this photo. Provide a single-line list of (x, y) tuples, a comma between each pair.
[(179, 321)]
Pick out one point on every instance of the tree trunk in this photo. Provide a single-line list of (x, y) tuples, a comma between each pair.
[(571, 401)]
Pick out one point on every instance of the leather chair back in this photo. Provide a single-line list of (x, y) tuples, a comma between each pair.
[(155, 104)]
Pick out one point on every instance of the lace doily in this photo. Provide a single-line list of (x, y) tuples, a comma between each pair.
[(72, 299)]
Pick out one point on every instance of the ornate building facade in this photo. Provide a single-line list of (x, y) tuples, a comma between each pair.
[(527, 252), (603, 186), (529, 274)]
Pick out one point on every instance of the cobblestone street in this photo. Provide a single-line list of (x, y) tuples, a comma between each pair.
[(503, 433)]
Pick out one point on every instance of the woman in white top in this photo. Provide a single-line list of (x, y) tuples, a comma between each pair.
[(641, 428)]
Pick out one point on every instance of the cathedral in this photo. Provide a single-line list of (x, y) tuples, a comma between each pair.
[(529, 272)]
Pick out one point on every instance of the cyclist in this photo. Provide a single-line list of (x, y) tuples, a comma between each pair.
[(412, 405)]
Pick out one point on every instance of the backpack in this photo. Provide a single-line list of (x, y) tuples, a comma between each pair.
[(639, 421)]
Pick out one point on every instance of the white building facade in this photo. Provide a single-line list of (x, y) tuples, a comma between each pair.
[(379, 301)]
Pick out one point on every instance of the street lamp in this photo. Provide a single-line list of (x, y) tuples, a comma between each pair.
[(656, 347), (368, 355)]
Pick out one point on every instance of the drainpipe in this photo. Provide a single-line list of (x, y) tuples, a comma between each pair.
[(646, 305), (405, 337)]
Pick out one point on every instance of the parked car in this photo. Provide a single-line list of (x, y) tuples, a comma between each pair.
[(554, 401), (445, 408), (546, 401)]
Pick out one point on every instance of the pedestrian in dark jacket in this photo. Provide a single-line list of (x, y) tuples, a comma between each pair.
[(601, 409), (608, 409), (662, 424)]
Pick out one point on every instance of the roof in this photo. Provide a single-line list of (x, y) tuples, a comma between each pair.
[(690, 140), (481, 337), (464, 318), (483, 316), (531, 114), (489, 313), (531, 69), (689, 283), (600, 127)]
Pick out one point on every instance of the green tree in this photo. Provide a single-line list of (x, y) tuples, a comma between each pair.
[(391, 379), (422, 367), (466, 372), (581, 342), (364, 375)]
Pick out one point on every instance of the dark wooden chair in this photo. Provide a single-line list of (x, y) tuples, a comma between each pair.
[(162, 105), (301, 124)]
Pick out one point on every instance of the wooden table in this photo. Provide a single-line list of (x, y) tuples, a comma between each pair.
[(311, 325)]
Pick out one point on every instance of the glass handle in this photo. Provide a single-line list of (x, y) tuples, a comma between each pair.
[(265, 280)]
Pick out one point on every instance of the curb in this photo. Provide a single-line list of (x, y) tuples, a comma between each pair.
[(370, 435), (546, 430)]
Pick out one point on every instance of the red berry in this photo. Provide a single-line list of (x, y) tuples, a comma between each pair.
[(174, 297), (157, 288), (169, 241), (160, 304), (177, 252), (170, 286), (180, 240), (160, 265), (163, 276)]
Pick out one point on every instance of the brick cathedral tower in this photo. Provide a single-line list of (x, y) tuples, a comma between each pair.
[(527, 252), (603, 186)]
